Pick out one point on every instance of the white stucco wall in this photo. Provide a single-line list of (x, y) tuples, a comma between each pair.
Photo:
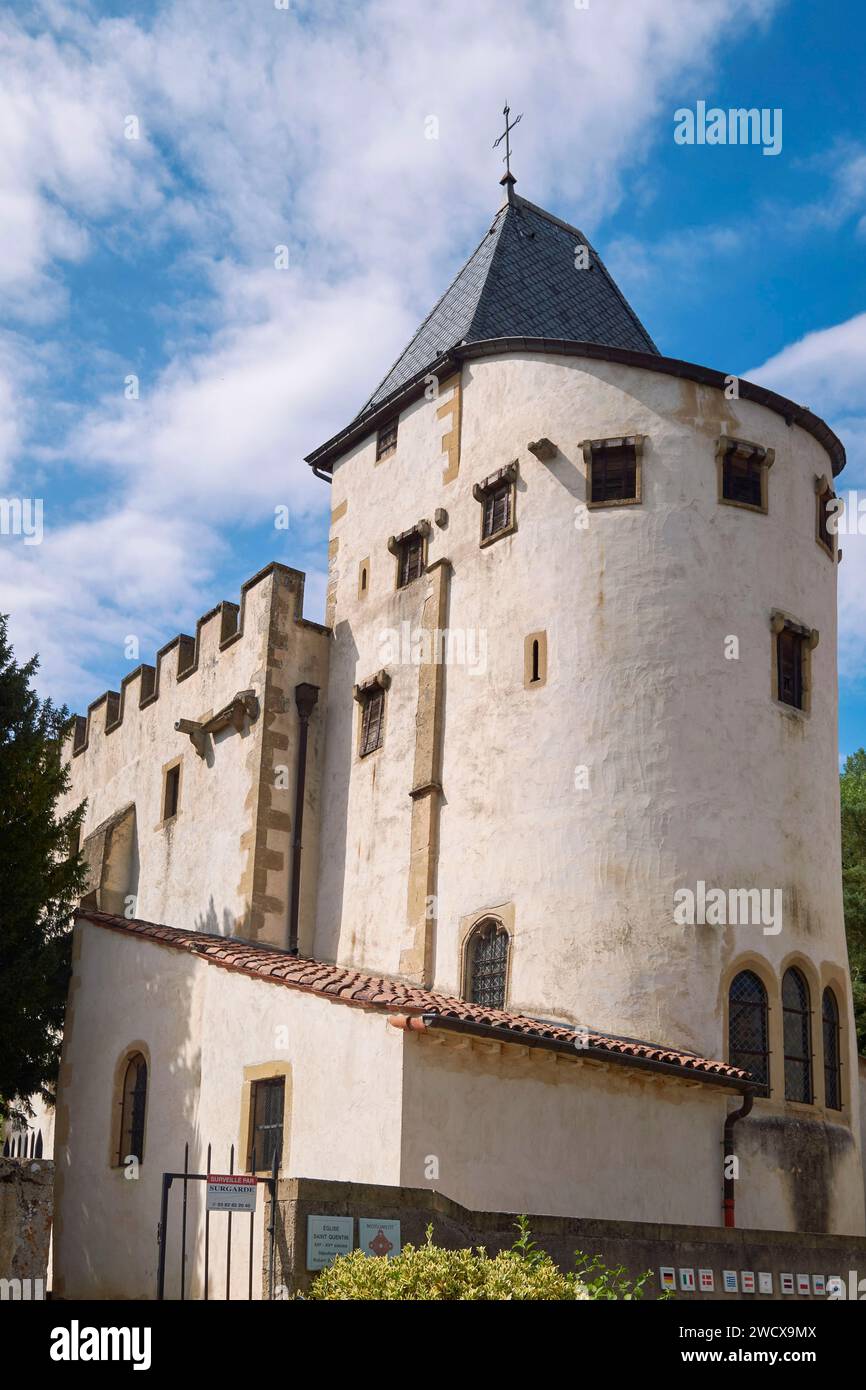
[(201, 1026), (695, 771), (200, 871)]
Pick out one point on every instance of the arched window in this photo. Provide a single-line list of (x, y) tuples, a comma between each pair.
[(832, 1059), (798, 1039), (487, 964), (38, 1150), (134, 1105), (747, 1026)]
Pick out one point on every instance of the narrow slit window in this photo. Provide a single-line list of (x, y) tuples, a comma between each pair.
[(171, 794), (535, 666)]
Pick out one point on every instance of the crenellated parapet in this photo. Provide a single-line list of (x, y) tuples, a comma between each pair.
[(219, 629)]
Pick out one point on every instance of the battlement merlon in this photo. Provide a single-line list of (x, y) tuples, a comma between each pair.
[(217, 631)]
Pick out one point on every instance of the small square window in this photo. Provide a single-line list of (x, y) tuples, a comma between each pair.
[(614, 475), (267, 1107), (613, 471), (743, 470), (171, 792), (372, 719), (410, 559), (386, 440)]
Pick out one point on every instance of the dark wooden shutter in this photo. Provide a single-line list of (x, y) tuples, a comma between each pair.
[(789, 647), (614, 474)]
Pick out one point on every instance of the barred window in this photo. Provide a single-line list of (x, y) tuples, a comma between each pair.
[(832, 1058), (266, 1123), (797, 1033), (613, 475), (790, 654), (748, 1031), (386, 440), (410, 559), (372, 719), (497, 510), (487, 964), (134, 1106)]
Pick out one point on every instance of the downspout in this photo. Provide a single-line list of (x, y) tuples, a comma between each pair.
[(305, 699), (728, 1154), (320, 473)]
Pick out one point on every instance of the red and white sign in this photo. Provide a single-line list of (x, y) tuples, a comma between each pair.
[(231, 1192)]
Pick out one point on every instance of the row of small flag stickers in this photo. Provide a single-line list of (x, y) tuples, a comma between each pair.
[(746, 1282)]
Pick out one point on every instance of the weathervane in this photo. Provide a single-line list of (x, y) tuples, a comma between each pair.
[(507, 178)]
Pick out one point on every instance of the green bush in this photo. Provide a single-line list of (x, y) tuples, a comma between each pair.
[(427, 1272)]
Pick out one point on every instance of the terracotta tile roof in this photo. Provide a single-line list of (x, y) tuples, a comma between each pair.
[(347, 986)]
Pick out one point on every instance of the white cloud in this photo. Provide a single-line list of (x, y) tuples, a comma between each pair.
[(826, 371), (261, 126)]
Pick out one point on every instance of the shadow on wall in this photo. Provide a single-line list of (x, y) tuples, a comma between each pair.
[(209, 922)]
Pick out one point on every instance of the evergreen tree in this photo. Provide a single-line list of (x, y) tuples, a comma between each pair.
[(853, 784), (41, 880)]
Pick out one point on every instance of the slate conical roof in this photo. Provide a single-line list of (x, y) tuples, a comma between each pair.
[(521, 281)]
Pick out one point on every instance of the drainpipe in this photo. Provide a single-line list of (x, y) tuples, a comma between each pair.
[(305, 699), (728, 1153)]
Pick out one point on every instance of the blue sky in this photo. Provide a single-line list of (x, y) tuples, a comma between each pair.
[(305, 126)]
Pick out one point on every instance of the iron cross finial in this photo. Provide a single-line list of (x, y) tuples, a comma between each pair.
[(506, 136)]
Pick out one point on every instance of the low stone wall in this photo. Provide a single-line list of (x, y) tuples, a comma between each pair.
[(26, 1203), (636, 1245)]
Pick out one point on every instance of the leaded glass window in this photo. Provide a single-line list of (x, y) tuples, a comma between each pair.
[(832, 1067), (134, 1108), (797, 1032), (748, 1045), (487, 964)]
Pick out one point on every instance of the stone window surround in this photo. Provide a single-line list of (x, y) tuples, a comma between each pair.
[(166, 769), (264, 1071), (823, 487), (541, 638), (507, 474), (771, 976), (380, 681), (504, 914), (779, 621), (421, 528), (755, 453), (637, 441), (115, 1127)]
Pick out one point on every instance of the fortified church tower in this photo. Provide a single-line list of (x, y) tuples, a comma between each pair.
[(583, 600)]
